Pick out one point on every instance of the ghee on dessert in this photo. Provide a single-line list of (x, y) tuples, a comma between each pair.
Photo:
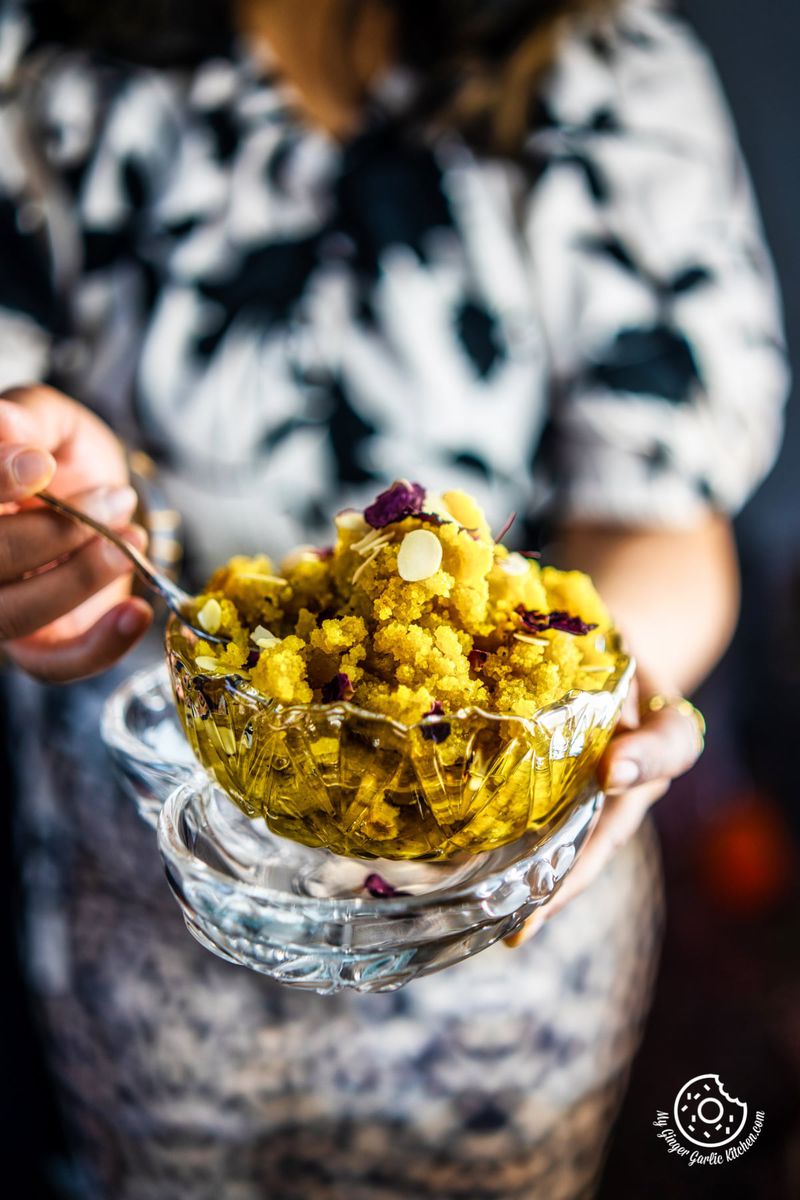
[(384, 696)]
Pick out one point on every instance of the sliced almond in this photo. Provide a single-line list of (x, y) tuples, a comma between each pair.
[(210, 616), (206, 663), (263, 637), (350, 519), (259, 577), (304, 553), (515, 564), (375, 537), (419, 556)]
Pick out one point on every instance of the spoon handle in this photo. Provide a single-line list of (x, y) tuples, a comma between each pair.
[(174, 596)]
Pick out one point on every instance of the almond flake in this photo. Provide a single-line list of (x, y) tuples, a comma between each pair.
[(515, 564), (206, 663), (420, 555), (350, 519), (210, 616), (260, 577), (375, 537), (361, 568), (263, 637)]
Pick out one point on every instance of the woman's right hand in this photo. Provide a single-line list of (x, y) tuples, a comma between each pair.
[(65, 607)]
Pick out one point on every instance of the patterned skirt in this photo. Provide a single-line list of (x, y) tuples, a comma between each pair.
[(185, 1078)]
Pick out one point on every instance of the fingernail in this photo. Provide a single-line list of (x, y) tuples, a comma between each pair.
[(623, 773), (528, 930), (131, 621), (110, 503), (31, 466)]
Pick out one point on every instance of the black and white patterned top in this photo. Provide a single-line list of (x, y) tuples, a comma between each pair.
[(289, 322)]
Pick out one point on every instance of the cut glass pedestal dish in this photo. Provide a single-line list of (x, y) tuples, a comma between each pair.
[(304, 915)]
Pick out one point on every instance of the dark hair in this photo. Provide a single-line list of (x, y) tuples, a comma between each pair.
[(482, 60)]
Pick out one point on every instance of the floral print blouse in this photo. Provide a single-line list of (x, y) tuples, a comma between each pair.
[(287, 322)]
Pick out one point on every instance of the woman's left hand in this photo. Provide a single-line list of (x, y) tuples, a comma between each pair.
[(646, 753)]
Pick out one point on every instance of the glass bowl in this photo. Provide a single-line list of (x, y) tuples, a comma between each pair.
[(305, 916), (142, 732), (360, 784)]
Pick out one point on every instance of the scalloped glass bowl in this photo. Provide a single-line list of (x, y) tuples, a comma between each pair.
[(363, 785)]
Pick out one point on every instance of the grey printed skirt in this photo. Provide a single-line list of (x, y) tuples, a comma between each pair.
[(185, 1078)]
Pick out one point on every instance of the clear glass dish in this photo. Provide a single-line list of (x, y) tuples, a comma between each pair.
[(361, 784), (305, 916), (142, 732)]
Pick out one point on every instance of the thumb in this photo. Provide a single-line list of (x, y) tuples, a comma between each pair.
[(24, 470)]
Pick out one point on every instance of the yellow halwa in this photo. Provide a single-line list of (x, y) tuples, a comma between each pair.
[(485, 627)]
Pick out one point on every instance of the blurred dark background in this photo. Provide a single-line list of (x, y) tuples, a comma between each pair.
[(728, 993)]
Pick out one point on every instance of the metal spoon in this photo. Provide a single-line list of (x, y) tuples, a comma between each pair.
[(176, 599)]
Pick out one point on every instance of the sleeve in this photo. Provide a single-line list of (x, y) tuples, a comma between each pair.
[(28, 304), (85, 146), (658, 296)]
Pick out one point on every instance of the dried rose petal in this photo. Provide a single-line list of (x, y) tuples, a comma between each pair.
[(511, 519), (379, 887), (434, 729), (477, 658), (569, 624), (430, 518), (324, 552), (252, 659), (537, 622), (533, 621), (338, 688), (402, 499), (531, 553)]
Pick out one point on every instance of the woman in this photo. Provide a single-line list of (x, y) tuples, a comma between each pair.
[(295, 252)]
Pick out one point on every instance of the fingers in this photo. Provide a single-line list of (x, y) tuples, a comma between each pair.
[(36, 537), (23, 471), (666, 744), (39, 415), (29, 604), (629, 716), (634, 772), (528, 930), (85, 449), (90, 652)]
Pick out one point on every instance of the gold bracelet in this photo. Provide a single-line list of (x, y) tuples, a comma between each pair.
[(659, 701)]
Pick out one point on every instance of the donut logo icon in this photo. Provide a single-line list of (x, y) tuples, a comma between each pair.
[(706, 1115)]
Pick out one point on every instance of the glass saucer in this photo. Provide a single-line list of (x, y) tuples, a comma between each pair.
[(305, 916)]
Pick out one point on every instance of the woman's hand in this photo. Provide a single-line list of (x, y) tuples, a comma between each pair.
[(65, 609), (643, 758)]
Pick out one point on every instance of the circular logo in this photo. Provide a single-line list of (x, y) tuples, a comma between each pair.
[(706, 1115)]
